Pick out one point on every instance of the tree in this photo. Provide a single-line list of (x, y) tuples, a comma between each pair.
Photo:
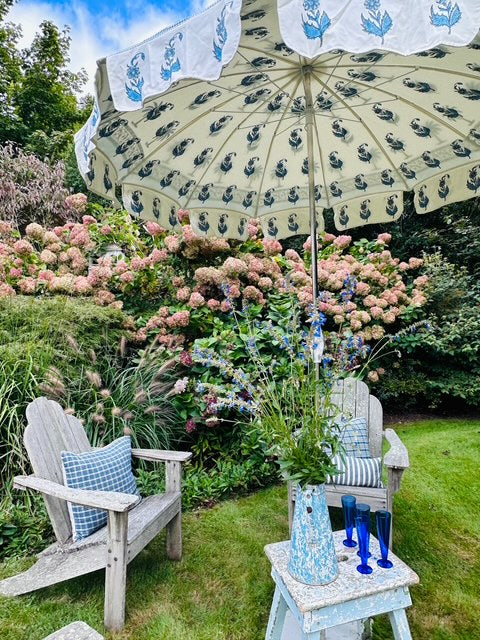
[(11, 127), (47, 100), (39, 108)]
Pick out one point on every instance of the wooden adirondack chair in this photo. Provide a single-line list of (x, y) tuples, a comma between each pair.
[(132, 523), (353, 397)]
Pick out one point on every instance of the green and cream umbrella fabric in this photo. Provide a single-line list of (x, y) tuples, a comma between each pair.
[(273, 112)]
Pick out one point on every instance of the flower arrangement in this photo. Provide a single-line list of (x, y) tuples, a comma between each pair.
[(289, 401)]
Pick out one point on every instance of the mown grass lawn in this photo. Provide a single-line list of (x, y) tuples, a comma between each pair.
[(222, 589)]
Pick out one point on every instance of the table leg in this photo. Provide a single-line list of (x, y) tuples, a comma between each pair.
[(399, 622), (277, 617)]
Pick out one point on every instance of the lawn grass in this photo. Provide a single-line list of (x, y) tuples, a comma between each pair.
[(222, 589)]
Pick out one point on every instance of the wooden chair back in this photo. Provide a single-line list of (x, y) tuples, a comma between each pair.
[(353, 398), (49, 432)]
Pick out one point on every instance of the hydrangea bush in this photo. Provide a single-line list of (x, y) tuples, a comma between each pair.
[(181, 287)]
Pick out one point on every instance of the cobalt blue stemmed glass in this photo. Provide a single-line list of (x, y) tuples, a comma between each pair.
[(384, 521), (362, 511), (363, 533), (349, 504)]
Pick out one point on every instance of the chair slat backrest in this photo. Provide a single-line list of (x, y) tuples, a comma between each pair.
[(49, 432), (353, 398)]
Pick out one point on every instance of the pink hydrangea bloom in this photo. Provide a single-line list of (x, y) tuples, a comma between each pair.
[(82, 285), (154, 228), (179, 319), (291, 254), (77, 201), (415, 263), (23, 247), (27, 285), (127, 276), (35, 231), (208, 275), (15, 273), (271, 247), (178, 281), (46, 276), (225, 306), (106, 229), (213, 304), (373, 376), (421, 281), (341, 242), (376, 312), (234, 267), (183, 294), (172, 244), (265, 283), (196, 300), (384, 238), (6, 290), (48, 257), (403, 266)]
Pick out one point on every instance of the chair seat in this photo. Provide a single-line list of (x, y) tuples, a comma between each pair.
[(146, 516), (376, 497)]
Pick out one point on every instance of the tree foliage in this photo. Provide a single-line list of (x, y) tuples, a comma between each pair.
[(39, 106)]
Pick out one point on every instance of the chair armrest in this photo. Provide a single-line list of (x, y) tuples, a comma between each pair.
[(158, 455), (397, 456), (106, 500)]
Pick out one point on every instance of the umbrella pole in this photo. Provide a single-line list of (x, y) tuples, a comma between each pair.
[(309, 126)]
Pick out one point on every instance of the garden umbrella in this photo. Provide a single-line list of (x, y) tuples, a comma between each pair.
[(278, 112)]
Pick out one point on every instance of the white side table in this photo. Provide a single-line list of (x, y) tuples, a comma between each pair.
[(352, 596)]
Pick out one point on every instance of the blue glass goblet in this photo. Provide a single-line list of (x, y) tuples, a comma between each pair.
[(384, 522), (348, 504), (363, 534), (362, 511)]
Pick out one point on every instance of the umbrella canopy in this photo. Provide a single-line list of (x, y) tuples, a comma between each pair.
[(253, 110)]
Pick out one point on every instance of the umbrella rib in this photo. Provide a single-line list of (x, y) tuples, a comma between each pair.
[(270, 146), (431, 115), (382, 148), (220, 149)]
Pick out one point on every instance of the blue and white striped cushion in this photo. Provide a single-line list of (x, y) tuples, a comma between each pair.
[(107, 469), (357, 472), (354, 437)]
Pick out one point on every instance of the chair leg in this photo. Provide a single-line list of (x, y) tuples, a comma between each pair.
[(116, 571), (174, 537)]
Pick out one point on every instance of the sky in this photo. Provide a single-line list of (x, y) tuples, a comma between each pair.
[(99, 28)]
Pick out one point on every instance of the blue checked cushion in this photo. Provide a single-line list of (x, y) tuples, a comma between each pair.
[(357, 472), (354, 437), (106, 469)]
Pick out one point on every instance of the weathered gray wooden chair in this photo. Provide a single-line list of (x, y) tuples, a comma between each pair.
[(132, 523), (353, 398)]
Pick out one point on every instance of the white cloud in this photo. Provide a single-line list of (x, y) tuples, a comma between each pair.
[(94, 36)]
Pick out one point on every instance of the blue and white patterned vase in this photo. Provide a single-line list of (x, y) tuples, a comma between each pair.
[(313, 559)]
